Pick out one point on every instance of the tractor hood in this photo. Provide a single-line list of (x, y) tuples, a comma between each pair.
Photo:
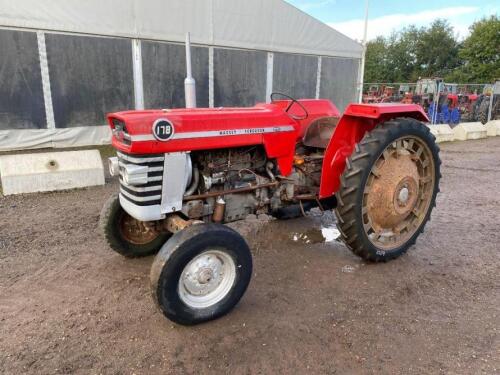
[(177, 130)]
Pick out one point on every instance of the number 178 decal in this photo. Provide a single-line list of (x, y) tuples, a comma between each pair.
[(163, 129)]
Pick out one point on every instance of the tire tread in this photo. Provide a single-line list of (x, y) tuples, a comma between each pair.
[(358, 166)]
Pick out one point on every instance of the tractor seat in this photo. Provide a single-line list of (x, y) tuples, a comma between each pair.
[(319, 133)]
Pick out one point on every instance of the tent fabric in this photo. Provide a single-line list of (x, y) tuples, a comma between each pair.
[(68, 62), (20, 139), (269, 25)]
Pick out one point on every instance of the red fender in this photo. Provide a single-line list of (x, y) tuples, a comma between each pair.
[(355, 122)]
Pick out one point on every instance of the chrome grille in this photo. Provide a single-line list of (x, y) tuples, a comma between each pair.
[(147, 194)]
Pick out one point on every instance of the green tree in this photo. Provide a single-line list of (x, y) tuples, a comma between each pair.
[(391, 59), (411, 53), (402, 53), (480, 53), (436, 51), (375, 60)]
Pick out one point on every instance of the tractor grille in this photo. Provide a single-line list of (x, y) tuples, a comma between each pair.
[(147, 194)]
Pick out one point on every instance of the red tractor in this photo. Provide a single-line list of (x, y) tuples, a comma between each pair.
[(185, 172), (382, 94)]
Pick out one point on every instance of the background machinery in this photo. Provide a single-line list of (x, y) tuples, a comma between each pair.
[(489, 108)]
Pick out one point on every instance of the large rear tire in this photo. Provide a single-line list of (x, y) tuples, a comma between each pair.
[(127, 236), (388, 189), (201, 273)]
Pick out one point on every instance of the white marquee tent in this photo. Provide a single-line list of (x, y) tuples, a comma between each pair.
[(65, 63)]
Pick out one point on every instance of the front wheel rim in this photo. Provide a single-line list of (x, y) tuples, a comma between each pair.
[(207, 279), (398, 192)]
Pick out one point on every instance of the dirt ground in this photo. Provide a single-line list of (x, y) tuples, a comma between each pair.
[(68, 304)]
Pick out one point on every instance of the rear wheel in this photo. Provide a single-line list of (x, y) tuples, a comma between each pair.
[(126, 235), (388, 189), (483, 111), (201, 273), (474, 116)]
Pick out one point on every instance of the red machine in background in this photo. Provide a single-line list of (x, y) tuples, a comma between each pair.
[(489, 103), (443, 102), (185, 172), (381, 94)]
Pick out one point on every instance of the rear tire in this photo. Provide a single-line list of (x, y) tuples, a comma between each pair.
[(483, 111), (388, 189), (201, 273), (475, 108), (125, 235)]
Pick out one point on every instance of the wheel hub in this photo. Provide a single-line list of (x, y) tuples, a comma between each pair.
[(135, 231), (398, 192), (394, 193), (205, 276), (403, 196), (207, 279)]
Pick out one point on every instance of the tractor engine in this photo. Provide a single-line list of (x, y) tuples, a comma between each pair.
[(229, 184)]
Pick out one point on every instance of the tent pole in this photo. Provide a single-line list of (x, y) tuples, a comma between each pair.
[(362, 75)]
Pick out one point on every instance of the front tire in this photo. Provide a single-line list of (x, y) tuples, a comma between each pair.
[(201, 273), (127, 236), (388, 189)]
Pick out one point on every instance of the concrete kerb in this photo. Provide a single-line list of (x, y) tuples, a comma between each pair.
[(493, 128), (28, 173), (469, 130), (442, 132)]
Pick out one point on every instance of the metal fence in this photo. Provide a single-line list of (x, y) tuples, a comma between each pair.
[(405, 87)]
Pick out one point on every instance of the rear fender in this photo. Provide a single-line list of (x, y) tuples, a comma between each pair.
[(356, 121)]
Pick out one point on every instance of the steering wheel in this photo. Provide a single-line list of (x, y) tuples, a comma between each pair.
[(292, 102)]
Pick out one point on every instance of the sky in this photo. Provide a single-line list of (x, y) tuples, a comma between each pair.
[(384, 16)]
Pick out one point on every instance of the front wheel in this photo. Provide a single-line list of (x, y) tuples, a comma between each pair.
[(128, 236), (388, 189), (201, 273)]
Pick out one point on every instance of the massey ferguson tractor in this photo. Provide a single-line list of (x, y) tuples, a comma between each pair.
[(184, 173)]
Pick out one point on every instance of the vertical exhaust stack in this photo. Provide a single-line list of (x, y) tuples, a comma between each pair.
[(189, 82)]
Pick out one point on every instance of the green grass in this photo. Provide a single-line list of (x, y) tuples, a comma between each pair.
[(106, 151)]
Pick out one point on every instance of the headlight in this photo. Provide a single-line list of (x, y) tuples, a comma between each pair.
[(114, 168), (135, 174)]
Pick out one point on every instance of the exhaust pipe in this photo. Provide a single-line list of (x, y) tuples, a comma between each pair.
[(189, 82)]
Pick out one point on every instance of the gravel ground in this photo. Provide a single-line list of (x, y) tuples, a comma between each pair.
[(70, 305)]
